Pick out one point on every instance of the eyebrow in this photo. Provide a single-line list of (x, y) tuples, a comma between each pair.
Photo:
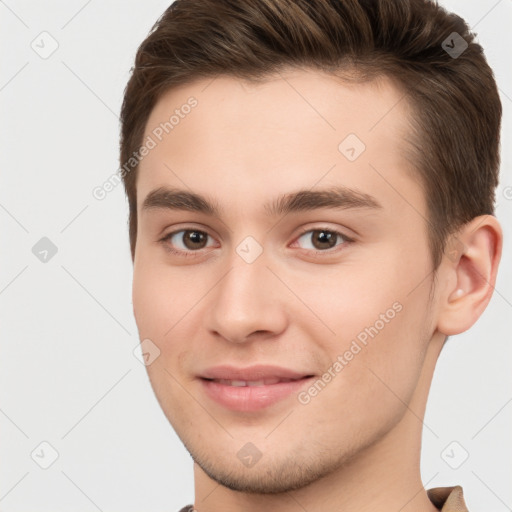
[(337, 197)]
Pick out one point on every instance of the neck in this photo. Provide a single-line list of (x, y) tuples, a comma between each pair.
[(385, 476)]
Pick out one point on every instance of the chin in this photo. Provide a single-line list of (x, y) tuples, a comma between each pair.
[(269, 475)]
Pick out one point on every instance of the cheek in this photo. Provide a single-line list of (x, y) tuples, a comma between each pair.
[(162, 298), (160, 311), (148, 300), (353, 302), (165, 303), (380, 336), (372, 381)]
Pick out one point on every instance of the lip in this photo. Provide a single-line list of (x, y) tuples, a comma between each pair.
[(251, 398), (256, 372)]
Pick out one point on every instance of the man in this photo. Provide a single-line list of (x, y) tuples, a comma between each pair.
[(311, 190)]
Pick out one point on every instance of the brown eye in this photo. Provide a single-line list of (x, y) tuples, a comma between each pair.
[(194, 239), (322, 239), (186, 240)]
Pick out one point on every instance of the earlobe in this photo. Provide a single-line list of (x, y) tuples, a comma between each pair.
[(470, 274)]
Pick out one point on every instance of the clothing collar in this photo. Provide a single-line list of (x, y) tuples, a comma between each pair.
[(448, 499)]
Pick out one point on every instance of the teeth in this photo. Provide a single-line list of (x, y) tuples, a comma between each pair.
[(242, 383), (238, 383)]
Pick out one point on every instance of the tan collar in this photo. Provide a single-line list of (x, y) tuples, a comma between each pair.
[(448, 499)]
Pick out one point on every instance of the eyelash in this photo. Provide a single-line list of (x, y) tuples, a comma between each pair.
[(193, 254)]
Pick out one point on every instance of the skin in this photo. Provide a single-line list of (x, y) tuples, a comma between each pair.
[(356, 445)]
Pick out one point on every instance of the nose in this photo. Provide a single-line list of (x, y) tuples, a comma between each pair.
[(247, 303)]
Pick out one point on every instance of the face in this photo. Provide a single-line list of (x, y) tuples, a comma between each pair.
[(306, 250)]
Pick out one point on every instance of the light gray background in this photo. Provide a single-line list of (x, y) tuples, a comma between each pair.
[(68, 373)]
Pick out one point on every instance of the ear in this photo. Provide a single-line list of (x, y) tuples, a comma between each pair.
[(469, 270)]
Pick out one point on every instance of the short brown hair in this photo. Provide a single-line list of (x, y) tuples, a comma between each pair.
[(454, 143)]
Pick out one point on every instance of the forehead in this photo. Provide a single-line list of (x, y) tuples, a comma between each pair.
[(242, 141)]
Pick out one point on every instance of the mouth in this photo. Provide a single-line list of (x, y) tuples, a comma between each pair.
[(255, 383), (252, 395)]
